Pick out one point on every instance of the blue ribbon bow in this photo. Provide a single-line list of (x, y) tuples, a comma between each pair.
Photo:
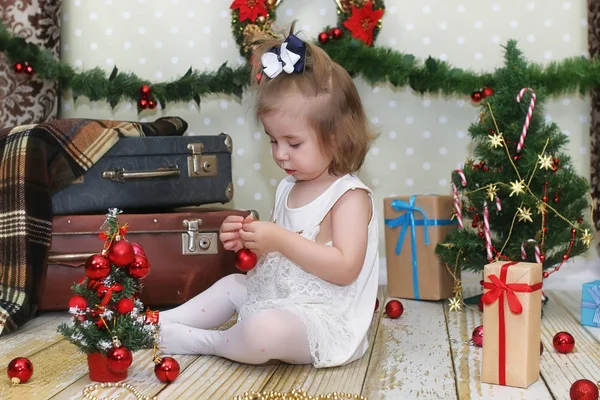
[(289, 57), (408, 219), (594, 291)]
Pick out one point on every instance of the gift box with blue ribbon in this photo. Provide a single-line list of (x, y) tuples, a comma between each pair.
[(590, 304), (414, 225)]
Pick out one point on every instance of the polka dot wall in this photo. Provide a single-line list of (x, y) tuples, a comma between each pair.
[(422, 138)]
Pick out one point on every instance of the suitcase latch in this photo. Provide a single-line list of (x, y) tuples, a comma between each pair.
[(200, 165), (194, 242)]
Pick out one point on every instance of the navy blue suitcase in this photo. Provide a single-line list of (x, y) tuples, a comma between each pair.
[(153, 173)]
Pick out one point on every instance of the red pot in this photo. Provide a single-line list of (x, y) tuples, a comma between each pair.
[(99, 371)]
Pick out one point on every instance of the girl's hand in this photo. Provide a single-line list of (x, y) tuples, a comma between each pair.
[(261, 236), (229, 234)]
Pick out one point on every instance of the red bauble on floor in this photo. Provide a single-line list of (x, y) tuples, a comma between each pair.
[(477, 336), (563, 342), (19, 370), (584, 389), (167, 370), (394, 309)]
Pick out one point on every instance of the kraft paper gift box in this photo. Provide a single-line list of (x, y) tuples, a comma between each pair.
[(590, 304), (512, 320), (414, 225)]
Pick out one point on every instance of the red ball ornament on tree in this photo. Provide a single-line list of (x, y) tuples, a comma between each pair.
[(78, 302), (119, 358), (584, 389), (335, 33), (125, 306), (19, 67), (563, 342), (138, 249), (151, 104), (143, 103), (97, 267), (394, 309), (145, 90), (29, 70), (19, 370), (140, 267), (121, 253), (323, 37), (167, 370), (245, 260), (476, 97), (486, 92), (477, 336)]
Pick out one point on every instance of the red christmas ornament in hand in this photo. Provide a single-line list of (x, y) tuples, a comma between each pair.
[(245, 260), (140, 267), (121, 253), (584, 389), (477, 336), (138, 249), (19, 370), (394, 309), (167, 370), (119, 358), (563, 342), (125, 306), (78, 302), (97, 267)]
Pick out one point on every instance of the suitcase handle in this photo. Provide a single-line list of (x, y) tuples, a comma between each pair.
[(59, 258), (121, 174)]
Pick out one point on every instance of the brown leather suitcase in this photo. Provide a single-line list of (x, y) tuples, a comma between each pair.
[(183, 247)]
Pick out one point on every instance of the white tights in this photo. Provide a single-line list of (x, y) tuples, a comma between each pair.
[(266, 335)]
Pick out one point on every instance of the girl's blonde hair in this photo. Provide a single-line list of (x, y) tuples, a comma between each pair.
[(333, 106)]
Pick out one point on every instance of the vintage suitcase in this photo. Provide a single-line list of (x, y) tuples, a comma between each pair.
[(185, 254), (153, 173)]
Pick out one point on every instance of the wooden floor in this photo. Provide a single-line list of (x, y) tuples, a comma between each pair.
[(425, 354)]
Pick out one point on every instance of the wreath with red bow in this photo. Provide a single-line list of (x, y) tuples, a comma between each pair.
[(359, 18)]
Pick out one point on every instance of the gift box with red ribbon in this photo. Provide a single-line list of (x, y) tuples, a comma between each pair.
[(512, 323)]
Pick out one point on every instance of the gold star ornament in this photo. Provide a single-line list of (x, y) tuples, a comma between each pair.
[(524, 214), (545, 161), (495, 140), (541, 208), (587, 238), (455, 304), (517, 187), (491, 191)]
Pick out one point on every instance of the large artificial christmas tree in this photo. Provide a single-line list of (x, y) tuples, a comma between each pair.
[(519, 199), (109, 321)]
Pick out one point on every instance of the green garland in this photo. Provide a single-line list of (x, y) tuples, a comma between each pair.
[(375, 64)]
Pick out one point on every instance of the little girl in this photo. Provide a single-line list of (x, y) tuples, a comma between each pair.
[(311, 297)]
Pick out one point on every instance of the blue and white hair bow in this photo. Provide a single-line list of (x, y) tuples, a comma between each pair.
[(289, 57)]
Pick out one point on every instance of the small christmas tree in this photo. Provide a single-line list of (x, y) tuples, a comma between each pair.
[(520, 200), (108, 318)]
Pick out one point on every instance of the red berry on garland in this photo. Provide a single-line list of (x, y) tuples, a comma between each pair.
[(125, 306), (335, 33), (19, 67), (97, 267), (78, 302), (517, 157), (29, 70), (245, 260), (394, 309), (151, 104), (145, 90), (376, 304), (477, 336), (476, 96), (143, 103), (584, 389), (138, 249), (140, 267), (121, 253), (323, 37), (486, 92), (167, 370), (19, 370), (119, 358), (563, 342)]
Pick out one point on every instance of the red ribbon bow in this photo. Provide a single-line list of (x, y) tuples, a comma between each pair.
[(107, 292), (498, 288)]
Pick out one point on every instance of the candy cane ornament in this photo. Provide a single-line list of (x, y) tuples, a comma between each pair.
[(486, 231), (537, 253), (527, 118), (463, 178), (457, 207)]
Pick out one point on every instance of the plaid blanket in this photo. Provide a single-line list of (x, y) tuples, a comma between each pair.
[(35, 162)]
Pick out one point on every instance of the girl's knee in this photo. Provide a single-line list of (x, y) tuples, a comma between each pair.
[(269, 328)]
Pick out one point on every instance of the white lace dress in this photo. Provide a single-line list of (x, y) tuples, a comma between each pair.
[(337, 318)]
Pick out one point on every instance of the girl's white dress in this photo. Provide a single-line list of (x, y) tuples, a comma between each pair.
[(337, 318)]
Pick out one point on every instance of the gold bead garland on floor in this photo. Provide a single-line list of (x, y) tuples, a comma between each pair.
[(297, 394), (131, 388)]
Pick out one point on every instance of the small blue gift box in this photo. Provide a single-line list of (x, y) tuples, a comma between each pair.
[(590, 304)]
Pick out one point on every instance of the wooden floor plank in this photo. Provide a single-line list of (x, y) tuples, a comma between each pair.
[(36, 337), (347, 379), (561, 370), (467, 360), (411, 357)]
